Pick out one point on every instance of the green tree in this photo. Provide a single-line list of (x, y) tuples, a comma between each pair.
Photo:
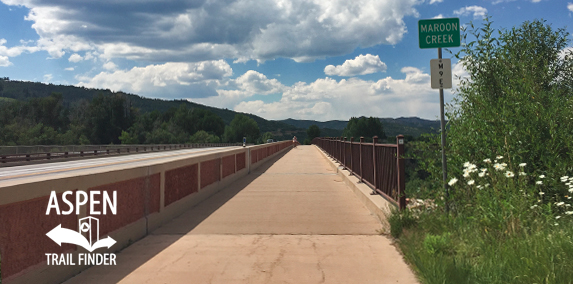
[(241, 126), (366, 127), (49, 111), (107, 117), (313, 131), (202, 136), (517, 100), (266, 136)]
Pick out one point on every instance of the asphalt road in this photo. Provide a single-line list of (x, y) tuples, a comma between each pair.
[(28, 171)]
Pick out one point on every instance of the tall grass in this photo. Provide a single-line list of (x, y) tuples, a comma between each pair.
[(510, 126), (509, 231)]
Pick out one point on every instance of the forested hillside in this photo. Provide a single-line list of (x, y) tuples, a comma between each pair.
[(71, 95), (37, 113)]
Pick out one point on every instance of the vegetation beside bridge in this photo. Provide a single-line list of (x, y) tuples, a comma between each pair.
[(510, 157)]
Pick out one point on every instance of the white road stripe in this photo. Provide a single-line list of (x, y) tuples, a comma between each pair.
[(60, 167)]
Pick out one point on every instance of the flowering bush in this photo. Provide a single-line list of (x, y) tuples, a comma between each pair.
[(494, 181)]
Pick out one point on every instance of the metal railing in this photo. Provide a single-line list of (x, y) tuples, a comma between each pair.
[(11, 155), (380, 166)]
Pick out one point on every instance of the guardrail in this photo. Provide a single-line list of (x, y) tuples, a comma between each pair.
[(380, 166), (11, 154)]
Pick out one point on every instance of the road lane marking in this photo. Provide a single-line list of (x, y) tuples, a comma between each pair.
[(98, 165)]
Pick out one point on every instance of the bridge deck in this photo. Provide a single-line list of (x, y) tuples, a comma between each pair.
[(290, 221)]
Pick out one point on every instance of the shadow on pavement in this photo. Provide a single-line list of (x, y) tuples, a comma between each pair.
[(137, 254)]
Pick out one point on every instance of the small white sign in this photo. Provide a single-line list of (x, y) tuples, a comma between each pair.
[(441, 70)]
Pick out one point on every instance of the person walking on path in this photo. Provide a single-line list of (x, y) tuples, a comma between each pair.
[(294, 141)]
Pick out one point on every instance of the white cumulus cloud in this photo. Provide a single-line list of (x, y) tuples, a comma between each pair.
[(164, 80), (477, 11), (570, 6), (361, 65), (436, 1), (75, 58), (196, 30), (4, 61), (254, 82), (110, 66), (327, 98)]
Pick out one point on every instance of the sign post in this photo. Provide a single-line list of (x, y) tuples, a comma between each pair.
[(438, 33)]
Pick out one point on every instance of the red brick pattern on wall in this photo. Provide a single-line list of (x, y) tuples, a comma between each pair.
[(180, 182), (210, 172), (23, 228), (136, 198), (241, 161), (228, 165)]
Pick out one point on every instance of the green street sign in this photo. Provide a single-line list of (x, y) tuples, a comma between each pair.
[(437, 33)]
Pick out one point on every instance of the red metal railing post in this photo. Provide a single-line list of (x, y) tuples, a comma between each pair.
[(361, 170), (401, 172), (338, 148), (344, 153), (351, 158), (374, 164), (340, 151), (335, 149)]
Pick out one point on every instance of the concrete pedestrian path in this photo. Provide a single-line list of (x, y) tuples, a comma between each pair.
[(292, 220)]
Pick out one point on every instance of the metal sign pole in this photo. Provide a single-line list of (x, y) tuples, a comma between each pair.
[(443, 132)]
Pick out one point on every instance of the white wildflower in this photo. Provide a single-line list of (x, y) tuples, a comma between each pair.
[(557, 217), (569, 212), (483, 170), (486, 185), (453, 181), (466, 174), (542, 176), (487, 161), (538, 182), (541, 193), (533, 206), (522, 174), (471, 182), (482, 174), (564, 178), (499, 157), (479, 187), (467, 164), (499, 167), (560, 203), (522, 165), (509, 174)]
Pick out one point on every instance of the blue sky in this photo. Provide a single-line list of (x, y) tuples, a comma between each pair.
[(279, 59)]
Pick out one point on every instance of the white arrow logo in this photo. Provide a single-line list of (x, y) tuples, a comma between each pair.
[(62, 235)]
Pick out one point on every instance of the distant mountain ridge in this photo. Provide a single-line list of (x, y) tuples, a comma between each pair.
[(282, 129), (22, 90), (413, 126)]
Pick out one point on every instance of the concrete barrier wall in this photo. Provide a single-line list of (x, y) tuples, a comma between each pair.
[(148, 196)]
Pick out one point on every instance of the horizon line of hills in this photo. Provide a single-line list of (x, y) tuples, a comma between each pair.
[(11, 90)]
